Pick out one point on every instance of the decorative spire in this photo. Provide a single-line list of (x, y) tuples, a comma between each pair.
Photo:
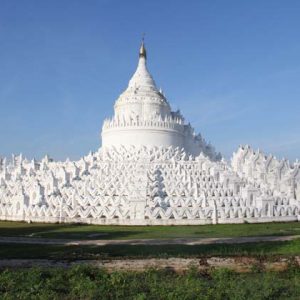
[(143, 49)]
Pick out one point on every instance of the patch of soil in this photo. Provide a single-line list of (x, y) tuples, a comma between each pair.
[(237, 264)]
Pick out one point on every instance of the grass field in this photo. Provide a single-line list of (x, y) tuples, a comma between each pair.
[(80, 231), (85, 282), (57, 252), (82, 282)]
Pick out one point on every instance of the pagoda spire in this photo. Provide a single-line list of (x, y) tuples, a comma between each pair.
[(143, 52), (142, 77)]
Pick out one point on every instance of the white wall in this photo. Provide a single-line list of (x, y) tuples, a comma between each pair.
[(142, 136)]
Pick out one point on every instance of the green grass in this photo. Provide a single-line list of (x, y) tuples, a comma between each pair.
[(58, 252), (80, 231), (77, 231), (82, 282)]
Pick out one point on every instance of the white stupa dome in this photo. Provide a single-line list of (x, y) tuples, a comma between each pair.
[(142, 98), (143, 117)]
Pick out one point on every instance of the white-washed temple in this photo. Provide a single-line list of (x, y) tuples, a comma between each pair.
[(152, 169)]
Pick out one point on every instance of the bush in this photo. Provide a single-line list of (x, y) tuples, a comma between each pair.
[(83, 282)]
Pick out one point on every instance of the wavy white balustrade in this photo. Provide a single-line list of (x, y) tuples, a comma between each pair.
[(142, 185)]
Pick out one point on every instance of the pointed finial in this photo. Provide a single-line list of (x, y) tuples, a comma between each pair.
[(143, 49)]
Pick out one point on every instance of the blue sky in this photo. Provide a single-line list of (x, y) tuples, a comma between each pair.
[(232, 67)]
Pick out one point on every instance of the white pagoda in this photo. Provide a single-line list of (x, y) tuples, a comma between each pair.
[(152, 169)]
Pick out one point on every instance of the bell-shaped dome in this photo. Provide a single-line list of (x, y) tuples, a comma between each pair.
[(142, 78), (142, 98)]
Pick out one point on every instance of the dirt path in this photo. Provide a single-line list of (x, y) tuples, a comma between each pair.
[(177, 241), (238, 264)]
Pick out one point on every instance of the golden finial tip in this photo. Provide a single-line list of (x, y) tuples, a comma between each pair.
[(143, 49)]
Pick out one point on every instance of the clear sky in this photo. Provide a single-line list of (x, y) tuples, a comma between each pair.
[(232, 67)]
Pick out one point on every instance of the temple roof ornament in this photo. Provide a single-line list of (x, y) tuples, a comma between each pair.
[(143, 52), (142, 76), (141, 87)]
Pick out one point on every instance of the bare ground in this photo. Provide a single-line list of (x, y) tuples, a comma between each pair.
[(237, 264)]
